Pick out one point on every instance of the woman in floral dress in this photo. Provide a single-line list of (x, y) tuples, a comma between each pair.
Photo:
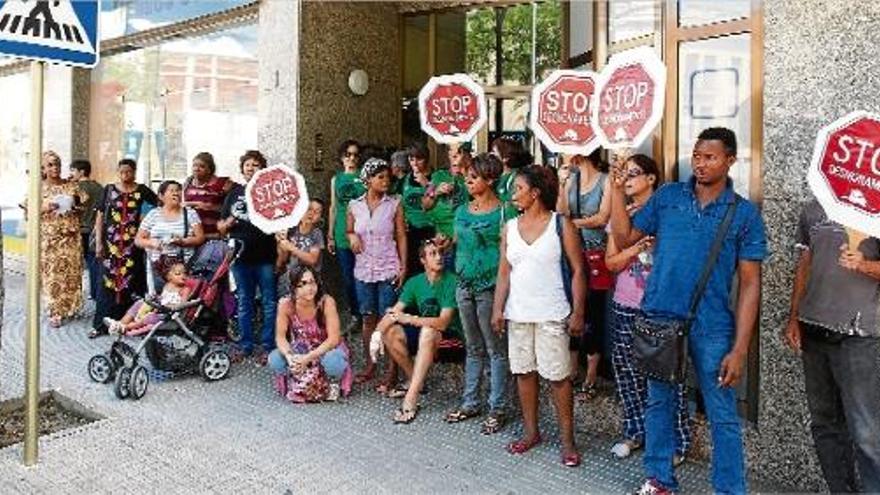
[(119, 214), (311, 361), (61, 249)]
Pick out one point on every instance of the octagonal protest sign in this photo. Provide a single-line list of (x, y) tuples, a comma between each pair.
[(629, 98), (562, 112), (452, 108), (844, 174), (276, 198)]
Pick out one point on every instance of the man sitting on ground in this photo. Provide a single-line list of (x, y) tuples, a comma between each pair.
[(432, 293)]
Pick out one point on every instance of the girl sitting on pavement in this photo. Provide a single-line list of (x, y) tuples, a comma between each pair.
[(311, 362), (141, 317)]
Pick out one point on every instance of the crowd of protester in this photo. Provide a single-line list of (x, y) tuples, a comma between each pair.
[(537, 271)]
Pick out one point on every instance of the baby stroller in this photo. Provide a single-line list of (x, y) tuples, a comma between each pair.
[(181, 341)]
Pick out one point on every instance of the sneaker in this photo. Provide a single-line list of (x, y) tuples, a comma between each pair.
[(333, 393), (652, 487)]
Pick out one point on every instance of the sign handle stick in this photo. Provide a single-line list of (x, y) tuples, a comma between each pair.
[(34, 204)]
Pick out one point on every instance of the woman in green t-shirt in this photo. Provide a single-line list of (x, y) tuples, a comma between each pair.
[(478, 227), (419, 186), (345, 186)]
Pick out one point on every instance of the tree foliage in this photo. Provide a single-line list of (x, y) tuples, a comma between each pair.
[(516, 42)]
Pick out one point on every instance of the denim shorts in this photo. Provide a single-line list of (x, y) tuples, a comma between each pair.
[(375, 297)]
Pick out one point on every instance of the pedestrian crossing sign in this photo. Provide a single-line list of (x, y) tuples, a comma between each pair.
[(61, 31)]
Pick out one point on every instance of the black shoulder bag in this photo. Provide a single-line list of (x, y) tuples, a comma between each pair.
[(660, 346)]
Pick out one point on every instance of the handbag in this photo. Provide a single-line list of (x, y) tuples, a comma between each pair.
[(599, 277), (92, 235), (660, 345)]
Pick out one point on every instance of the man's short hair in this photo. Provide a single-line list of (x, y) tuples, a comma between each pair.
[(722, 134), (83, 166), (423, 247)]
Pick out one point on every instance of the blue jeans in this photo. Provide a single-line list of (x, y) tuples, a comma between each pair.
[(345, 257), (843, 394), (707, 350), (334, 363), (482, 344), (247, 279), (375, 297)]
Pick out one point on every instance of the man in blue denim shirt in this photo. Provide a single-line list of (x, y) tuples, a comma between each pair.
[(684, 217)]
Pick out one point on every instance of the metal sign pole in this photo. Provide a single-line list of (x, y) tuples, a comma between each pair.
[(34, 205)]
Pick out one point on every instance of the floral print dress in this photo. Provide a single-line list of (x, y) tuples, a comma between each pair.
[(61, 250)]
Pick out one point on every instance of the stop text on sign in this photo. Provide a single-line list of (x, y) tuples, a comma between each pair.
[(866, 150), (450, 106), (276, 198), (276, 193)]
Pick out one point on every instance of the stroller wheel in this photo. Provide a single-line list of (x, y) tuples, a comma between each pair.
[(122, 387), (233, 331), (100, 368), (215, 365), (139, 382)]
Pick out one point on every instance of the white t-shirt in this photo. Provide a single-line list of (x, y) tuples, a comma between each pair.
[(163, 228)]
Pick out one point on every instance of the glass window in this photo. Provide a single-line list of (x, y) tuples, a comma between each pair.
[(697, 12), (164, 104), (451, 30), (14, 149), (629, 19), (121, 17), (715, 90), (415, 60)]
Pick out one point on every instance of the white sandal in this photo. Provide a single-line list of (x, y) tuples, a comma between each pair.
[(625, 448)]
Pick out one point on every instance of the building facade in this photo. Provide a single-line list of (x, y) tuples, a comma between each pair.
[(180, 77)]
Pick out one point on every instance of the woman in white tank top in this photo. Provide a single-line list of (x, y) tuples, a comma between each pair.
[(531, 301)]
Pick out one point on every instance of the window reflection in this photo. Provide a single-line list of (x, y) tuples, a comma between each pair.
[(697, 12), (629, 19), (714, 81), (121, 17), (164, 104)]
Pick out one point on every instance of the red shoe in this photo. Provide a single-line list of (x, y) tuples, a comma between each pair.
[(571, 460), (522, 446)]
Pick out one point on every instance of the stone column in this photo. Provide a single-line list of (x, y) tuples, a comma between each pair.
[(820, 63), (278, 100)]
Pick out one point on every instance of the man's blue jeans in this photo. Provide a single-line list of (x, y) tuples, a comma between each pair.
[(247, 279), (482, 344), (843, 394), (707, 349)]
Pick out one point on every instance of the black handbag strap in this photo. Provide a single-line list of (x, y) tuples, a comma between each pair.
[(710, 261)]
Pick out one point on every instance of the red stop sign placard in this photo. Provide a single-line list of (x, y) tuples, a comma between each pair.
[(452, 108), (562, 111), (630, 98), (276, 198), (845, 171)]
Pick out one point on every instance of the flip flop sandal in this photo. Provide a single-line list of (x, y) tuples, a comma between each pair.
[(405, 416), (397, 393), (625, 448), (461, 414), (587, 392), (95, 333), (493, 423), (571, 460), (522, 446)]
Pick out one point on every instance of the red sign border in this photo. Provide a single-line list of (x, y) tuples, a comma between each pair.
[(534, 112), (460, 79), (837, 211), (654, 67)]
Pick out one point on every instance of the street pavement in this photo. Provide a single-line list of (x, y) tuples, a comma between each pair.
[(189, 436)]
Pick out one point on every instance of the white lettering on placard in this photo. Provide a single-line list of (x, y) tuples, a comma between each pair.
[(855, 177), (451, 104), (843, 153), (625, 96), (571, 101)]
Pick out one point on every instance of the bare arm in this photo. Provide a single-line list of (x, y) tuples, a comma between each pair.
[(600, 218), (438, 323), (400, 239), (748, 300), (331, 320), (354, 240), (390, 317), (99, 234), (799, 287), (285, 306), (572, 245), (618, 259), (331, 217), (625, 235), (562, 201), (502, 284), (144, 241)]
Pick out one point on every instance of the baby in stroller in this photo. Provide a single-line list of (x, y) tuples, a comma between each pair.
[(141, 317)]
